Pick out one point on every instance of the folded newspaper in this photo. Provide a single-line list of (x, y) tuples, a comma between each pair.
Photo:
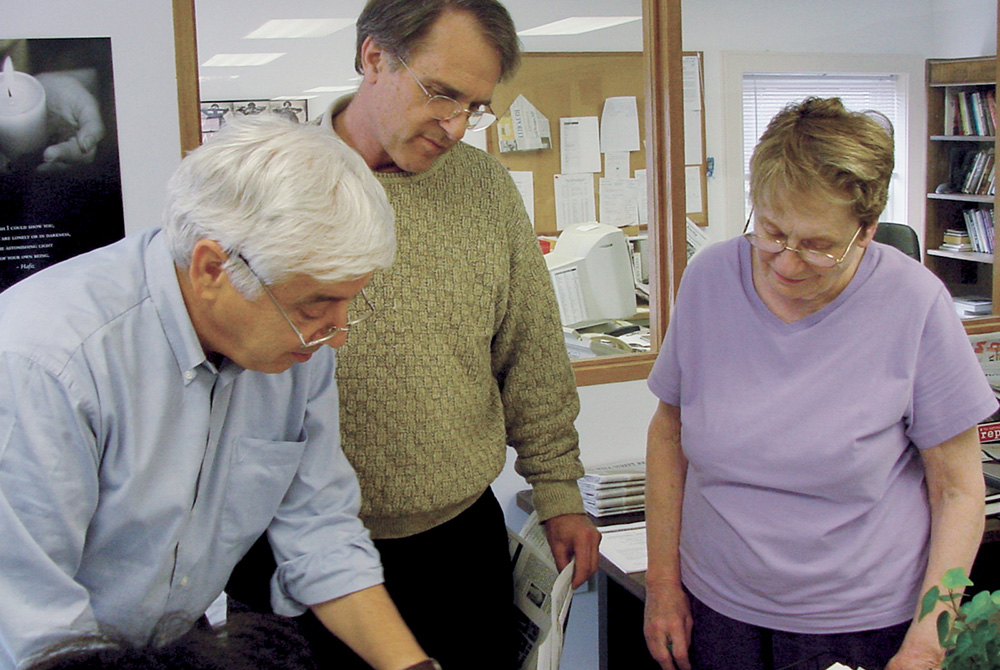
[(542, 597)]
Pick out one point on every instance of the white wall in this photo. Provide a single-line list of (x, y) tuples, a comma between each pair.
[(957, 34), (142, 45)]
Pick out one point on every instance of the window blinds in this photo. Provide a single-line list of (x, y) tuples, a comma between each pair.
[(766, 94)]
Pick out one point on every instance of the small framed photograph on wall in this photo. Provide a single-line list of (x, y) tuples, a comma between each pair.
[(216, 113)]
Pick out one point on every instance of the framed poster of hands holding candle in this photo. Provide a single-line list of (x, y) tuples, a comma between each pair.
[(60, 180), (23, 129)]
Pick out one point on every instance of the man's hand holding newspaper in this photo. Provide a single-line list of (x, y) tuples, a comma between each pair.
[(542, 597)]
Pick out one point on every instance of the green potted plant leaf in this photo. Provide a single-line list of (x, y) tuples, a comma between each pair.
[(970, 631)]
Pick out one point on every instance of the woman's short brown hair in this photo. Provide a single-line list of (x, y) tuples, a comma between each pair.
[(819, 147)]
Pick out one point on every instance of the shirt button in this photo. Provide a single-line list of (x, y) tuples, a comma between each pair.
[(189, 375), (184, 581)]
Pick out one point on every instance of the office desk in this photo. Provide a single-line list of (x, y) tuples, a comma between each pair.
[(621, 598)]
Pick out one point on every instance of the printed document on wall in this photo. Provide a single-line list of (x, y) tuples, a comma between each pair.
[(525, 182), (574, 199), (523, 128), (620, 124), (642, 197), (692, 188), (580, 145), (476, 139), (618, 202), (693, 151), (616, 165)]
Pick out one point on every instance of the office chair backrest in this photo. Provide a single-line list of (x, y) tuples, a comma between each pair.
[(899, 235)]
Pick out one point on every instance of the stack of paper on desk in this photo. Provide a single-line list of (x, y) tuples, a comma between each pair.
[(614, 489), (625, 546)]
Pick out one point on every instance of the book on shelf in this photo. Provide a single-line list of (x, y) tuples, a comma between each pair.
[(979, 113), (950, 107), (956, 236), (978, 172), (972, 305), (970, 112), (964, 120), (979, 223), (991, 110), (956, 240), (971, 169)]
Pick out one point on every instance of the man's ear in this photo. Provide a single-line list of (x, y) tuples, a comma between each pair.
[(374, 58), (207, 274)]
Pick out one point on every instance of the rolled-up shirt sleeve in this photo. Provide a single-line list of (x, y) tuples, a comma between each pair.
[(322, 549)]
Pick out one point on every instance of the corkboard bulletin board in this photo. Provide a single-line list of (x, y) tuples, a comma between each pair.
[(576, 84), (561, 85)]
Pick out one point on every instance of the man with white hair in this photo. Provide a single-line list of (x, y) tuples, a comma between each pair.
[(153, 420)]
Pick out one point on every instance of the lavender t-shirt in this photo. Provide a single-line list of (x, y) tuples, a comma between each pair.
[(805, 508)]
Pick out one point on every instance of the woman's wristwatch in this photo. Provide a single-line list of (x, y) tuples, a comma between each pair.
[(429, 664)]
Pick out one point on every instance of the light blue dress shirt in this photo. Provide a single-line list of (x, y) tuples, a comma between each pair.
[(134, 474)]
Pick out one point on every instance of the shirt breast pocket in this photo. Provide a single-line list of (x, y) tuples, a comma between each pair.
[(260, 475)]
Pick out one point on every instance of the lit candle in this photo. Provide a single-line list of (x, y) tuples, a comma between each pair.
[(22, 113)]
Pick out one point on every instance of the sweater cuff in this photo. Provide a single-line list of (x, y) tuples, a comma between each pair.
[(555, 498)]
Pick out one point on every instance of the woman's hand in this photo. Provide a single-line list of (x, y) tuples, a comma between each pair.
[(668, 626), (917, 654)]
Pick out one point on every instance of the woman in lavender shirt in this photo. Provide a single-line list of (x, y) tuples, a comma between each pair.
[(813, 463)]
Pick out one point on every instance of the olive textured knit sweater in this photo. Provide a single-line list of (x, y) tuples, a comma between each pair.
[(463, 357)]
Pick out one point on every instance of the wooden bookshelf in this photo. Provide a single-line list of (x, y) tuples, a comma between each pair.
[(949, 157)]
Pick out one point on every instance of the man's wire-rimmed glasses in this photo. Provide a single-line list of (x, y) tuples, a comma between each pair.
[(815, 258), (444, 108), (329, 333)]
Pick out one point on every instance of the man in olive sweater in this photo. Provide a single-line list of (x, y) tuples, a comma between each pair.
[(466, 356)]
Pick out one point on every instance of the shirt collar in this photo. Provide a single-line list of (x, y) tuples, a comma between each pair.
[(165, 291)]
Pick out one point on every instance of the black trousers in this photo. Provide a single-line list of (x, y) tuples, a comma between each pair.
[(721, 643), (452, 585)]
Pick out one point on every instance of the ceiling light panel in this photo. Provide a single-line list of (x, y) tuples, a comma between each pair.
[(299, 28), (576, 25), (331, 89), (241, 60)]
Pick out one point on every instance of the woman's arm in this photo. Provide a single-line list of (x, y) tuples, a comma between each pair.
[(956, 490), (668, 615)]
